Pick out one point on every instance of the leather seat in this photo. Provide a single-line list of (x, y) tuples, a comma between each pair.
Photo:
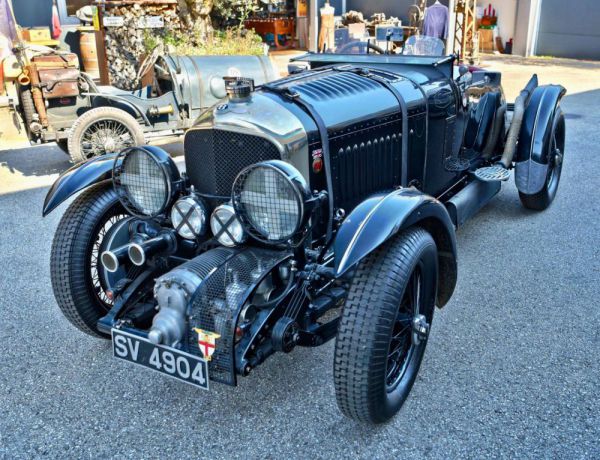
[(481, 121)]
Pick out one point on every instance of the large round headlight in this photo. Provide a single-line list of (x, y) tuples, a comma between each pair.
[(269, 199), (226, 226), (144, 179), (188, 216)]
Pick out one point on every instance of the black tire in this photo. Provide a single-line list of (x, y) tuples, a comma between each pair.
[(87, 137), (27, 106), (374, 319), (77, 286), (556, 148)]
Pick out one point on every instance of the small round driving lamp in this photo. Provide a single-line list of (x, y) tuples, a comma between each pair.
[(145, 179), (189, 217), (226, 226), (270, 200)]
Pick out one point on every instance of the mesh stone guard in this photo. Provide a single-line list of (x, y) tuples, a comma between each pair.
[(216, 304)]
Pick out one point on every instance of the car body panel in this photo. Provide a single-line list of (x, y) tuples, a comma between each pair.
[(77, 178), (531, 162), (380, 217)]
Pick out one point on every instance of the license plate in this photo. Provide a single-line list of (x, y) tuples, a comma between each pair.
[(174, 363)]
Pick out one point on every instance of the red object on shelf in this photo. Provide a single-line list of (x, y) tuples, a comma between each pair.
[(56, 30)]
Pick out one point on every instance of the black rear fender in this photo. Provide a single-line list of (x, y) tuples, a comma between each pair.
[(77, 178), (531, 160), (382, 216)]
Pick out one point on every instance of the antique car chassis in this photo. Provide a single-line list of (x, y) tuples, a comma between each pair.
[(58, 103), (320, 205)]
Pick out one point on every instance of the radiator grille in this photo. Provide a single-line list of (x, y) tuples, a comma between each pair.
[(214, 157)]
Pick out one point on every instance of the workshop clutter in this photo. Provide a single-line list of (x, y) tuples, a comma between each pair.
[(126, 35), (488, 24)]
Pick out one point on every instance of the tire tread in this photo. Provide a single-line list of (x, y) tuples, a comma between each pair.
[(361, 346), (68, 254)]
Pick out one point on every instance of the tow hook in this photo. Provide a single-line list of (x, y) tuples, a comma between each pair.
[(420, 329)]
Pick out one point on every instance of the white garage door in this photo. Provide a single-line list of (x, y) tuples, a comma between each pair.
[(569, 28)]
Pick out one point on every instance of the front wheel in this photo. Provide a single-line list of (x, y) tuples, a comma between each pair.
[(79, 282), (384, 327), (103, 130)]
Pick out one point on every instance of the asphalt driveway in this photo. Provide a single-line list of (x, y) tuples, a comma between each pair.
[(512, 368)]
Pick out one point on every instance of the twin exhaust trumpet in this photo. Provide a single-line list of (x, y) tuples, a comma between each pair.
[(138, 251)]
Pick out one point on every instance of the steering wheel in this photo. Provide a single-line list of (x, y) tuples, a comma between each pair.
[(362, 47)]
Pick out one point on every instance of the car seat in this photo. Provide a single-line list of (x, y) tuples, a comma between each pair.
[(480, 123)]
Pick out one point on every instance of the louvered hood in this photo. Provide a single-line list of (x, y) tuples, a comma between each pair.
[(344, 98)]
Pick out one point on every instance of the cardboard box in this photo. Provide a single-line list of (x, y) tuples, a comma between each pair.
[(356, 30), (37, 34), (486, 40)]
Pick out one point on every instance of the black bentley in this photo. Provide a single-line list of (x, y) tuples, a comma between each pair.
[(321, 205)]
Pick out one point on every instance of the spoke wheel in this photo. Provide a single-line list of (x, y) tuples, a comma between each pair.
[(384, 326), (106, 136), (100, 282), (103, 130), (405, 338)]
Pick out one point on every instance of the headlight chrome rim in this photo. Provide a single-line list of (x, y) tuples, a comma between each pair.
[(166, 166), (226, 237), (298, 187), (181, 218)]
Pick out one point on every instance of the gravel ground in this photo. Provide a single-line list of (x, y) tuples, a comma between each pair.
[(511, 369)]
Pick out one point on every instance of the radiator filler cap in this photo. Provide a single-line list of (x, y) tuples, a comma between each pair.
[(239, 89)]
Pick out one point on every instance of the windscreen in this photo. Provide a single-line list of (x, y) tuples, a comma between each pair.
[(415, 45)]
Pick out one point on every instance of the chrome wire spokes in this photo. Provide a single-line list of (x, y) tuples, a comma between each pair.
[(98, 284), (407, 332), (105, 136)]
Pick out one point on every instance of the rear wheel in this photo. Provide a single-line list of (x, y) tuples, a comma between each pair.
[(77, 278), (384, 327), (103, 130), (556, 148)]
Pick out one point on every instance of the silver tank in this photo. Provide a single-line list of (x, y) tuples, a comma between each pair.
[(200, 78)]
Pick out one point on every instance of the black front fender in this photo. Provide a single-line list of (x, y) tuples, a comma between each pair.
[(77, 178), (381, 216)]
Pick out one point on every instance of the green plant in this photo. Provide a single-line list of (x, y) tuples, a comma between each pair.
[(233, 12), (228, 42), (197, 40)]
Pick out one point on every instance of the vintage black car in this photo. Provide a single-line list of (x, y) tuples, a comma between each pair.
[(321, 205)]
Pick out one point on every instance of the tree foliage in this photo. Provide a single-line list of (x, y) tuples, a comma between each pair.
[(199, 19)]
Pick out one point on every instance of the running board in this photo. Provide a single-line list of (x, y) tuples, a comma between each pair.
[(470, 200), (492, 173)]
